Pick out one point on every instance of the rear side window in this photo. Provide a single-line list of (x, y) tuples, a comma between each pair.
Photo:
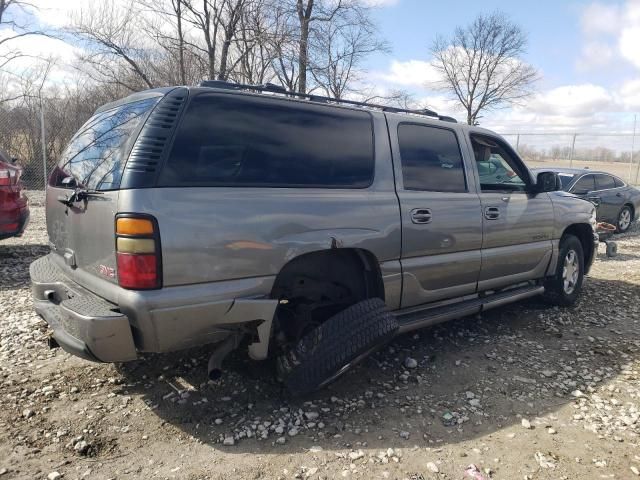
[(233, 140), (95, 157), (619, 183), (605, 182), (430, 158)]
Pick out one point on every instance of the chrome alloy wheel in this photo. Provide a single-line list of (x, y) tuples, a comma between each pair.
[(570, 272)]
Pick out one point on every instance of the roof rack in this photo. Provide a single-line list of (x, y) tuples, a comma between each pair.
[(273, 88)]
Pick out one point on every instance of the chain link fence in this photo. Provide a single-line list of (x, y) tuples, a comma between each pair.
[(23, 138), (618, 154)]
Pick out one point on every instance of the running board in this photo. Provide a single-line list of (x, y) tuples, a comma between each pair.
[(426, 317)]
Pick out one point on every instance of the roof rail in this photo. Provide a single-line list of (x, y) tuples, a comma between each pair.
[(273, 88)]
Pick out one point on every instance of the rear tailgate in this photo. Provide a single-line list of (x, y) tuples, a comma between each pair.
[(82, 232)]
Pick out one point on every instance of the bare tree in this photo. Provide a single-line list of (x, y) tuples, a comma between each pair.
[(258, 28), (115, 49), (11, 12), (204, 17), (482, 66), (309, 13), (339, 49), (231, 13)]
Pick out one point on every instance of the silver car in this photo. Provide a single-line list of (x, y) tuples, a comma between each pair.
[(294, 226)]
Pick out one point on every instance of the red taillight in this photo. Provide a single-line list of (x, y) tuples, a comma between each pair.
[(137, 271), (7, 177), (138, 252)]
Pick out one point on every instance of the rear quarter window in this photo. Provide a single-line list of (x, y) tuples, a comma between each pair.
[(96, 155), (605, 182), (233, 140)]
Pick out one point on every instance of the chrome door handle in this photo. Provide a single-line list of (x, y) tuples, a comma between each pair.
[(595, 200), (492, 213), (421, 215)]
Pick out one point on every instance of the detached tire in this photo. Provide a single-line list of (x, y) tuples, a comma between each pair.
[(564, 287), (336, 345)]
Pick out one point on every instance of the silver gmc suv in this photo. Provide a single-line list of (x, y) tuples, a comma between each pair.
[(294, 226)]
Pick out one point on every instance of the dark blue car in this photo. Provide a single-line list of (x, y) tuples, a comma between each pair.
[(617, 203)]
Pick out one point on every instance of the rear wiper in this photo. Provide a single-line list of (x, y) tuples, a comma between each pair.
[(79, 193)]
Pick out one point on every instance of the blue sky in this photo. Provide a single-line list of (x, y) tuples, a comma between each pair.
[(553, 28), (587, 52), (588, 55)]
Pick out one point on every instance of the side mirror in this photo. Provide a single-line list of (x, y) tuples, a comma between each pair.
[(548, 182), (69, 182)]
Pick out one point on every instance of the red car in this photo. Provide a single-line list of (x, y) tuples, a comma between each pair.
[(14, 206)]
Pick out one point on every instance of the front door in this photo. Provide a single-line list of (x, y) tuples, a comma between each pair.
[(517, 225), (441, 218)]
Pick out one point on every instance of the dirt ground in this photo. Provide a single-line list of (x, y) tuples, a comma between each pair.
[(522, 392)]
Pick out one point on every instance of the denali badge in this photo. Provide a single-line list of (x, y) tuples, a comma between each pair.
[(107, 271)]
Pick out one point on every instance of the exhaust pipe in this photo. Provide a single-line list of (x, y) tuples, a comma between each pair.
[(214, 368)]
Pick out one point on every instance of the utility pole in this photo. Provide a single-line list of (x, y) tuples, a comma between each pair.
[(43, 140), (633, 146), (573, 147)]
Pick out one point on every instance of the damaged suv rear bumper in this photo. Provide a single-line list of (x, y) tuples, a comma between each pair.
[(83, 324), (115, 328)]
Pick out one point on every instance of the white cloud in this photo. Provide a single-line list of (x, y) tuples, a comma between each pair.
[(629, 44), (572, 100), (612, 33), (601, 18), (381, 3), (38, 46), (413, 73), (629, 94), (595, 54), (58, 14)]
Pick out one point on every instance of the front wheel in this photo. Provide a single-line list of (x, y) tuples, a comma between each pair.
[(624, 219), (564, 287)]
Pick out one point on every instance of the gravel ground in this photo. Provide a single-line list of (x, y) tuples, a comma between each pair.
[(522, 392)]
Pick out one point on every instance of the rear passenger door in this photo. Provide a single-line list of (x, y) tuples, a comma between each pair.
[(441, 220), (609, 196)]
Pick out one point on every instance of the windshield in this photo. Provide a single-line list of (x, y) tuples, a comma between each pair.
[(95, 156), (565, 179)]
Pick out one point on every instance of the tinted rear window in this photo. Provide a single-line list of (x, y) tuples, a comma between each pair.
[(233, 140), (95, 157), (604, 182)]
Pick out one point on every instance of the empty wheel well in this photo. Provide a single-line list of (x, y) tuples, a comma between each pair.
[(315, 286), (584, 233)]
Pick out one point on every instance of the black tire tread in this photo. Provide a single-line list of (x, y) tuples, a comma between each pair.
[(334, 343)]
